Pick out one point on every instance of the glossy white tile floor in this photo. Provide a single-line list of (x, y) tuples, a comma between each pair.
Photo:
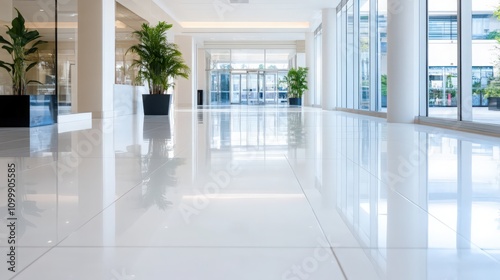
[(252, 193)]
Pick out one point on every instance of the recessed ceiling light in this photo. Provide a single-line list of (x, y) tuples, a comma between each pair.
[(42, 10)]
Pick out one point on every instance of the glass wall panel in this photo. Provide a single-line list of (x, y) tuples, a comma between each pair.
[(485, 56), (442, 59), (350, 55), (247, 59), (67, 40), (340, 75), (364, 55), (318, 62), (344, 72), (382, 55), (220, 59), (41, 17), (278, 58), (126, 23)]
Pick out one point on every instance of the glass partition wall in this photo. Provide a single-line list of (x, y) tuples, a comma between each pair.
[(248, 76), (41, 17), (362, 55)]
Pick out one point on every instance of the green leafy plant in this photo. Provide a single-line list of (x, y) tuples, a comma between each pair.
[(493, 88), (22, 47), (159, 61), (296, 80)]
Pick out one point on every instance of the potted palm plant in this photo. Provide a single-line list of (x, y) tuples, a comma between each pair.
[(296, 80), (21, 109), (159, 63)]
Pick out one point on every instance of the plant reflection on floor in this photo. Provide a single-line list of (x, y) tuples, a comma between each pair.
[(155, 185), (296, 132)]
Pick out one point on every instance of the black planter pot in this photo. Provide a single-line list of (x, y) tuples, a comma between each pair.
[(295, 101), (156, 104), (27, 110), (494, 103)]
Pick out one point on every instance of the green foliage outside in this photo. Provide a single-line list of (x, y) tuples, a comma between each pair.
[(159, 60), (23, 50), (493, 88), (383, 84)]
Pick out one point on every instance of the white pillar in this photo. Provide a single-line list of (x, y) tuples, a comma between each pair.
[(402, 60), (96, 57), (311, 64), (185, 89), (329, 75), (202, 74)]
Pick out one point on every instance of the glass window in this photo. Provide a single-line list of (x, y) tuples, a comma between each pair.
[(247, 59), (278, 58), (442, 59), (485, 56), (344, 72), (382, 55), (340, 74), (350, 55), (220, 59), (364, 55), (318, 41)]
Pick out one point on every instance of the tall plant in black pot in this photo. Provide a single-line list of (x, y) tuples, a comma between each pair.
[(159, 63), (20, 109), (296, 79)]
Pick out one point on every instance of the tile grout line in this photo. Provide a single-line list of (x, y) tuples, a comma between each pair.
[(84, 224), (317, 219)]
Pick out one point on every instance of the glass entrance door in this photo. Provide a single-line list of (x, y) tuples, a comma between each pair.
[(244, 89), (270, 92), (235, 88), (253, 88), (220, 88)]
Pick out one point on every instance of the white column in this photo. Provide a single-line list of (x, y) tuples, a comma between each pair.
[(202, 74), (329, 75), (96, 57), (185, 89), (402, 60), (311, 64)]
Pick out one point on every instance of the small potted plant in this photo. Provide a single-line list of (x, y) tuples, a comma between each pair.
[(21, 109), (492, 92), (296, 80), (159, 63)]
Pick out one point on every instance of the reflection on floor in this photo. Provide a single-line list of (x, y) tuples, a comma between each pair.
[(251, 193)]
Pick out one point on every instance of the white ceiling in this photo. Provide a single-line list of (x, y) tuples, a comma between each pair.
[(259, 20), (212, 20)]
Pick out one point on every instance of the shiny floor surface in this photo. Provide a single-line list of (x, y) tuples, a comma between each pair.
[(248, 193)]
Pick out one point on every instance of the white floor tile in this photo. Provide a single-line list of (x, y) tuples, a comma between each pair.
[(253, 193), (184, 263)]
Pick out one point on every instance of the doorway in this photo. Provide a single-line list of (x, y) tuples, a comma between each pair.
[(248, 87)]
